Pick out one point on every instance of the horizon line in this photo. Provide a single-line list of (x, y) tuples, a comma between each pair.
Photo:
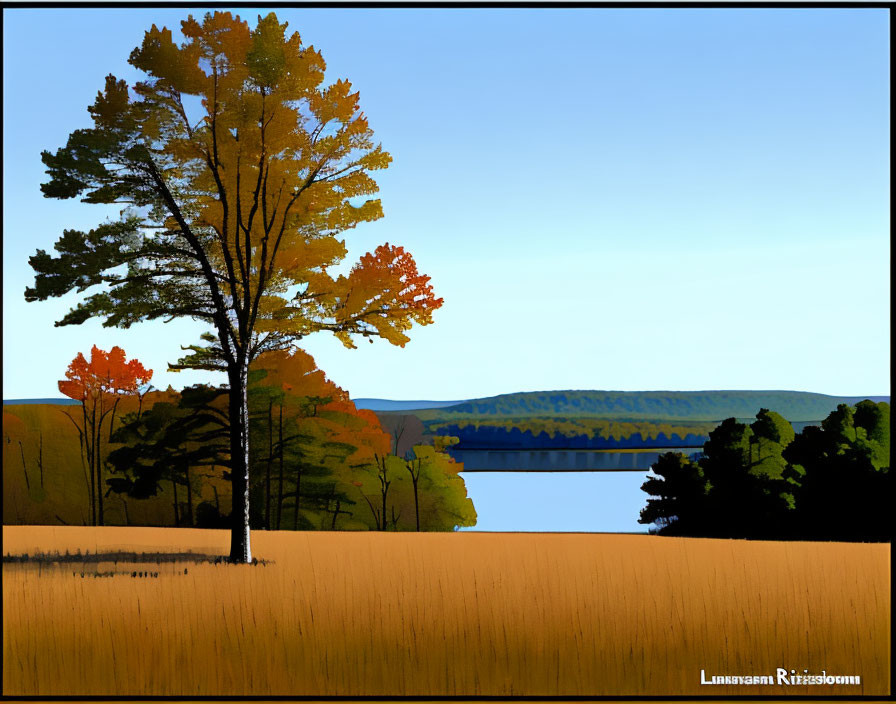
[(510, 393)]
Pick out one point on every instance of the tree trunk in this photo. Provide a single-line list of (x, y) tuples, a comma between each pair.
[(415, 477), (112, 419), (189, 497), (24, 466), (384, 486), (397, 433), (97, 493), (98, 458), (373, 511), (85, 456), (176, 514), (88, 444), (240, 550), (280, 480), (267, 480), (295, 521), (385, 491), (416, 505)]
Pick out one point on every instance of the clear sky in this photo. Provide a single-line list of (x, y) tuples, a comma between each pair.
[(624, 199)]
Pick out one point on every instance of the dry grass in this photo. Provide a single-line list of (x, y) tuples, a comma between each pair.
[(443, 614)]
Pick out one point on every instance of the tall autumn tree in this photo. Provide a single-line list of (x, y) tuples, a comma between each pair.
[(99, 385), (234, 209)]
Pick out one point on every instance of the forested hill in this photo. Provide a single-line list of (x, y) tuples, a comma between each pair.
[(655, 405)]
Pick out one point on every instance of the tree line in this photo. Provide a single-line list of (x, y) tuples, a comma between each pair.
[(763, 480), (317, 462), (573, 434)]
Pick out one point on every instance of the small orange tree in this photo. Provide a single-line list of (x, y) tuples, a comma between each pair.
[(100, 385)]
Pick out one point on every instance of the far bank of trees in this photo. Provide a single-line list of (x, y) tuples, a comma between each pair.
[(762, 480), (535, 433)]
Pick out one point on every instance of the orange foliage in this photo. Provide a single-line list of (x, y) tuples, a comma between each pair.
[(333, 413), (385, 294), (356, 426), (296, 374), (106, 373)]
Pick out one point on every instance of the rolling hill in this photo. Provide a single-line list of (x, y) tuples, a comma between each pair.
[(647, 405), (796, 406)]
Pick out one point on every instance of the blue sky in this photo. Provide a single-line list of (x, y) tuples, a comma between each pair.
[(606, 198)]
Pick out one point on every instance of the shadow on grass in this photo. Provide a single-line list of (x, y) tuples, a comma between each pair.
[(88, 557)]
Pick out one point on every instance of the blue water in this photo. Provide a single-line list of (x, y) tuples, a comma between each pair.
[(557, 502)]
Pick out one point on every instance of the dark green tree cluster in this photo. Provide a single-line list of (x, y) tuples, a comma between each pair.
[(180, 441), (762, 480), (841, 475)]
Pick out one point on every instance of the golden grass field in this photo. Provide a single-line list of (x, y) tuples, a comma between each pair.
[(496, 614)]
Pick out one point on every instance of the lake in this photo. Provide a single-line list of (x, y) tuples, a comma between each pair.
[(558, 490)]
